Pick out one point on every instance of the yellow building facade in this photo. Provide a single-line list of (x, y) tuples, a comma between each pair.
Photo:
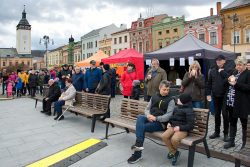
[(236, 27)]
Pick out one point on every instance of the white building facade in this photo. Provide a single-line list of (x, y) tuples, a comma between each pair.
[(90, 41), (120, 41)]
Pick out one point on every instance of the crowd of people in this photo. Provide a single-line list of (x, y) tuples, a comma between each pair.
[(227, 89)]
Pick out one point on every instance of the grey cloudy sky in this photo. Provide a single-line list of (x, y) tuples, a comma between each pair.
[(61, 18)]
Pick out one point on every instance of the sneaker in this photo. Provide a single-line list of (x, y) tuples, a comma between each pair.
[(170, 155), (137, 146), (133, 159), (43, 111), (214, 135), (175, 158)]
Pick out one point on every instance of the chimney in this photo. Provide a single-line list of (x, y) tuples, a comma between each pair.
[(211, 11), (218, 5)]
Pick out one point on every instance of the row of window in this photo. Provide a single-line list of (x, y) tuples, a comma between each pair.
[(175, 30), (140, 47), (115, 50), (236, 37), (120, 40), (16, 64)]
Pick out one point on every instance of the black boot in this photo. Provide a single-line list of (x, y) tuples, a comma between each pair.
[(244, 138), (226, 138), (231, 142), (214, 135)]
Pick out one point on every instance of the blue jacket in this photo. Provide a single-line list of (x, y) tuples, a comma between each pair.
[(19, 84), (92, 78), (78, 81)]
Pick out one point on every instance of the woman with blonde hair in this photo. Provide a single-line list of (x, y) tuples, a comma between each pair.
[(238, 100), (193, 83)]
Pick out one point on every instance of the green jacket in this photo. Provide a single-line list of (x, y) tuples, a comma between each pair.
[(154, 82)]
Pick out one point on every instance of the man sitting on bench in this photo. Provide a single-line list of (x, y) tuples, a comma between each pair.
[(52, 96), (159, 110)]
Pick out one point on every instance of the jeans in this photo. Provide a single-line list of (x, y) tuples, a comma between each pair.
[(3, 87), (58, 106), (91, 90), (113, 89), (142, 126), (197, 104), (218, 106)]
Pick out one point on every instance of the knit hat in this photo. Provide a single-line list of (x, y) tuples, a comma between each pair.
[(136, 82), (106, 67), (185, 98)]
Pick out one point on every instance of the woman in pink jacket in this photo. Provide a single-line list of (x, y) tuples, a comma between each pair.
[(127, 79)]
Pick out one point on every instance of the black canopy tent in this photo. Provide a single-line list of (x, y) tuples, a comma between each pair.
[(190, 46)]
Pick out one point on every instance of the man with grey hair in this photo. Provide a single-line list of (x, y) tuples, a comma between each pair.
[(153, 78), (158, 112), (52, 96)]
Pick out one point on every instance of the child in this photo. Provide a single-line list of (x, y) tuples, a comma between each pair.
[(10, 85), (19, 86), (136, 90), (180, 123)]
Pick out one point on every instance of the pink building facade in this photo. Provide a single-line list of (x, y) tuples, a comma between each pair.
[(208, 29), (141, 33)]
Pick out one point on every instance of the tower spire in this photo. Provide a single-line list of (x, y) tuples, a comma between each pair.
[(24, 13)]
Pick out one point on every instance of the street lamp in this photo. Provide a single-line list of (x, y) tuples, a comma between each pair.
[(234, 18), (46, 41)]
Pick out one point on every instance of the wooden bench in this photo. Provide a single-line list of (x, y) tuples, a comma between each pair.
[(244, 153), (40, 98), (130, 109), (92, 106)]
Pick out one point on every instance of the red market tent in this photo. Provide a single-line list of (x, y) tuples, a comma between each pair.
[(126, 56)]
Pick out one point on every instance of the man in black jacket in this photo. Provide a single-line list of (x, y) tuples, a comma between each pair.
[(53, 95), (216, 86)]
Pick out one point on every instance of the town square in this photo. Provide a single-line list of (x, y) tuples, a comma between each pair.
[(125, 83)]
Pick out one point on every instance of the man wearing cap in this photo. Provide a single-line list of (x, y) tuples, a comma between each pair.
[(64, 73), (92, 77), (52, 96), (216, 87)]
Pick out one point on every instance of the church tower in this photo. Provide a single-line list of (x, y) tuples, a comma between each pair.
[(23, 36)]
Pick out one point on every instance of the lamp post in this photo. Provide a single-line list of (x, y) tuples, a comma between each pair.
[(46, 41), (234, 18)]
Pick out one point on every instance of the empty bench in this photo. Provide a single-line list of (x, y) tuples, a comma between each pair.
[(244, 153), (130, 109), (92, 106)]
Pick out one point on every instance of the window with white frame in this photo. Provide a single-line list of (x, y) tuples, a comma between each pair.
[(213, 38), (236, 37), (134, 45), (202, 37), (247, 36), (140, 47)]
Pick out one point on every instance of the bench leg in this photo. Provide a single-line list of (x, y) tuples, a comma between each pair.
[(237, 163), (191, 153), (206, 148), (93, 124), (127, 130), (107, 129), (36, 103)]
